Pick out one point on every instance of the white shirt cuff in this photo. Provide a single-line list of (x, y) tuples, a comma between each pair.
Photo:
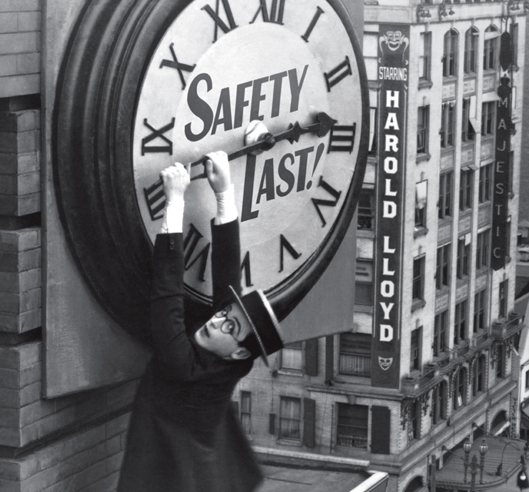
[(226, 209), (173, 216)]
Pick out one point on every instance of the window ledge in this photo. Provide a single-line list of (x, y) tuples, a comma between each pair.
[(365, 233), (417, 304), (449, 79), (289, 442), (420, 231), (363, 308), (290, 372), (425, 84), (423, 157)]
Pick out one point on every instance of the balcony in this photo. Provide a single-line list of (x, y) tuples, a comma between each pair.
[(506, 327)]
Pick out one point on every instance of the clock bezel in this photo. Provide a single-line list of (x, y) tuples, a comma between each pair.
[(100, 78)]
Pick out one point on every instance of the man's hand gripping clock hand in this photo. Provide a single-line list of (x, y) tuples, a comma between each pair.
[(175, 181)]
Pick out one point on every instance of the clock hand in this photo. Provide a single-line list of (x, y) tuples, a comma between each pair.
[(320, 127)]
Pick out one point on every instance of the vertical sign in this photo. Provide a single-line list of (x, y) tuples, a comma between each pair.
[(500, 210), (393, 56)]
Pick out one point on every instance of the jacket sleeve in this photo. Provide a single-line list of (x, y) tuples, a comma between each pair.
[(173, 350), (225, 262)]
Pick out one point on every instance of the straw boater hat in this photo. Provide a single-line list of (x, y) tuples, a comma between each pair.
[(266, 336)]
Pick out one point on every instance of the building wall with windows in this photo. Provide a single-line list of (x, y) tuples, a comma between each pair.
[(457, 323)]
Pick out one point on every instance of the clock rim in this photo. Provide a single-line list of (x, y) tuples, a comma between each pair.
[(100, 77)]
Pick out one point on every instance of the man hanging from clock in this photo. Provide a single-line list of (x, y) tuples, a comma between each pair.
[(184, 435)]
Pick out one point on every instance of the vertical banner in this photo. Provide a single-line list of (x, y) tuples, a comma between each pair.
[(500, 210), (393, 56)]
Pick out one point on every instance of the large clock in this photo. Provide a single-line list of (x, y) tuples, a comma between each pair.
[(148, 82)]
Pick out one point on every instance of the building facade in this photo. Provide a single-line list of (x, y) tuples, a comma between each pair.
[(427, 363)]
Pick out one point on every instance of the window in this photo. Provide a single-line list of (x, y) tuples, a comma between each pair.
[(487, 118), (463, 256), (482, 249), (364, 283), (500, 360), (292, 357), (415, 352), (471, 49), (246, 411), (460, 322), (478, 379), (425, 55), (442, 273), (490, 48), (421, 197), (450, 54), (439, 334), (366, 210), (465, 189), (460, 388), (503, 295), (352, 425), (445, 195), (355, 354), (468, 133), (414, 420), (418, 278), (527, 380), (290, 418), (439, 403), (480, 300), (485, 181), (423, 117), (447, 124), (372, 149)]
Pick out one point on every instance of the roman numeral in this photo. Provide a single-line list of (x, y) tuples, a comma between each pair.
[(218, 20), (318, 202), (342, 138), (155, 199), (174, 63), (284, 244), (337, 74), (312, 24), (246, 269), (191, 241), (276, 12), (167, 148)]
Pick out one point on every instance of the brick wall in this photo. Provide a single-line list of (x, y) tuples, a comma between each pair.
[(75, 442)]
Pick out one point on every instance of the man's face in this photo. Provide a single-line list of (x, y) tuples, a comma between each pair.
[(223, 332)]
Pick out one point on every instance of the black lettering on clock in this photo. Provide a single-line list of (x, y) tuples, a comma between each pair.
[(174, 63), (319, 202), (276, 12), (155, 199), (312, 24), (338, 73), (167, 148), (284, 244), (191, 241), (342, 138), (218, 20), (246, 269)]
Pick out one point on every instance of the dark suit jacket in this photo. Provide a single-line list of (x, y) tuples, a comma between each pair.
[(184, 435)]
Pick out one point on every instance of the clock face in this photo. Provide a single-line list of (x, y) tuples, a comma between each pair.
[(145, 83), (220, 65)]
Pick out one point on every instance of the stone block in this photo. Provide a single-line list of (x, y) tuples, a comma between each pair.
[(19, 5), (19, 121), (19, 206), (20, 42), (20, 322), (28, 63), (20, 85), (8, 65), (20, 141), (20, 240), (16, 283), (28, 21), (8, 22)]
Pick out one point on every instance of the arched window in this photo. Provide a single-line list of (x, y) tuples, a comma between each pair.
[(450, 53), (414, 485), (490, 49), (471, 50)]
